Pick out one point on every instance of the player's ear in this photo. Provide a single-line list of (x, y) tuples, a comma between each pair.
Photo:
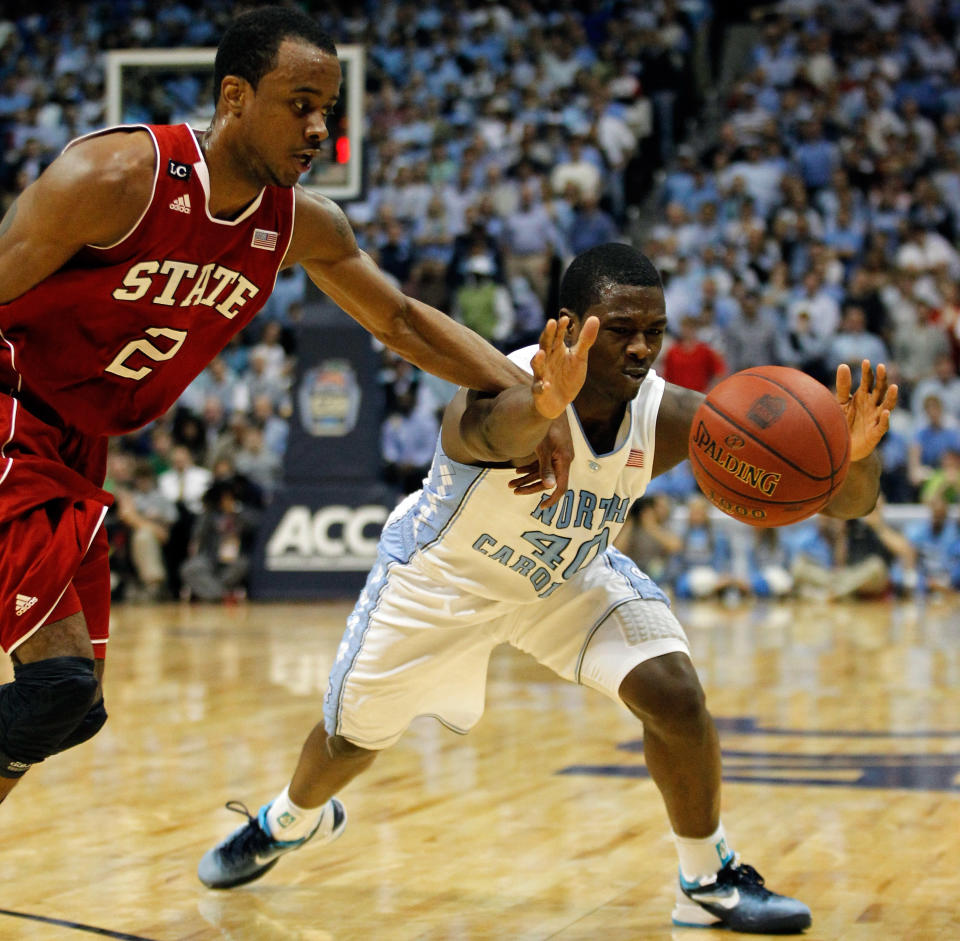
[(233, 93)]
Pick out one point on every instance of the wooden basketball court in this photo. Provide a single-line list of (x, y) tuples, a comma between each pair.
[(841, 733)]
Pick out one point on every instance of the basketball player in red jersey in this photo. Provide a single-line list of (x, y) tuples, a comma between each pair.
[(124, 269)]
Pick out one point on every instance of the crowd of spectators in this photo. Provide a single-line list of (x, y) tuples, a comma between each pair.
[(815, 225), (687, 550), (819, 225), (500, 138)]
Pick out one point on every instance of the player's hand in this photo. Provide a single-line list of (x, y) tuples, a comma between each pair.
[(558, 374), (551, 469), (868, 409), (558, 369)]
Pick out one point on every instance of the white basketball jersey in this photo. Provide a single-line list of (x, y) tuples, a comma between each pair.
[(467, 528)]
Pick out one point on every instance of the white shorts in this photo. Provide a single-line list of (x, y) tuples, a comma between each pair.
[(415, 646)]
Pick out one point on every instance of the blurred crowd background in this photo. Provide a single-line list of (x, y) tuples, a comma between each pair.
[(792, 168)]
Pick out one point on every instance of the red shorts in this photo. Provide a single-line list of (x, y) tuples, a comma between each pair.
[(53, 550)]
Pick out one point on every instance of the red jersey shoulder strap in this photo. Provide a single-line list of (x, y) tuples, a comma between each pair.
[(178, 149)]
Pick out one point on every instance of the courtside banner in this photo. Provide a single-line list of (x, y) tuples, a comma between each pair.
[(319, 542), (337, 407)]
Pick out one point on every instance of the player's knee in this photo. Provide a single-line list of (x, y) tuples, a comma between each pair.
[(342, 749), (666, 694), (44, 705), (89, 725)]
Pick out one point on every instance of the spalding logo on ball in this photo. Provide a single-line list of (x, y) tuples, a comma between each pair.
[(769, 446)]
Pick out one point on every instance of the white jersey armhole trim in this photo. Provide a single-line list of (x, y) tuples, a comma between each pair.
[(293, 222), (293, 215), (654, 403), (286, 248), (3, 447), (153, 188), (13, 366)]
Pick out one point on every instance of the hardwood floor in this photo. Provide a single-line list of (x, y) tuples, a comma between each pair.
[(841, 734)]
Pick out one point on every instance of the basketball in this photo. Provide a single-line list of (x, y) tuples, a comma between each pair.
[(769, 446)]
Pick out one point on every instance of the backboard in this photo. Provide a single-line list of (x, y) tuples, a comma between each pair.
[(173, 86)]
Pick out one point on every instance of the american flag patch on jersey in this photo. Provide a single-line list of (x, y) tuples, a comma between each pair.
[(263, 238), (635, 459)]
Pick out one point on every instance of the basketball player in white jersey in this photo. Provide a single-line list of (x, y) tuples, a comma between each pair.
[(462, 569)]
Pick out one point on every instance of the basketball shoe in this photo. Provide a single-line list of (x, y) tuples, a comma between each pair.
[(251, 850), (735, 898)]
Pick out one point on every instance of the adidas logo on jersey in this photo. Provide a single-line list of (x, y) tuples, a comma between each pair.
[(24, 604), (181, 204)]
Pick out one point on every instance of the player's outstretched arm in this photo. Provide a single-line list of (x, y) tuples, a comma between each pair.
[(484, 429), (674, 418), (92, 194), (868, 418), (324, 244)]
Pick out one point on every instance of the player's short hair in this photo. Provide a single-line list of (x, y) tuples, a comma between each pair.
[(603, 266), (249, 46)]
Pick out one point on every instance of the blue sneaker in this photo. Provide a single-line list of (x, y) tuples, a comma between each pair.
[(735, 898), (250, 850)]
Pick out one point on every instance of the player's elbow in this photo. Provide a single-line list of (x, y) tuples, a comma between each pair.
[(394, 328), (401, 332), (482, 444)]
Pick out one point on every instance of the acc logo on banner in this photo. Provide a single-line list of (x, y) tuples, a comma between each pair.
[(333, 538)]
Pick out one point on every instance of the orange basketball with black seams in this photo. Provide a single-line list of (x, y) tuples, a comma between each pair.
[(769, 446)]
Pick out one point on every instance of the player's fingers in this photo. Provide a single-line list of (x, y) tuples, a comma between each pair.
[(547, 334), (537, 365), (526, 480), (560, 474), (559, 486), (525, 490), (844, 382), (588, 336), (553, 499), (880, 385), (546, 470), (890, 399), (866, 376)]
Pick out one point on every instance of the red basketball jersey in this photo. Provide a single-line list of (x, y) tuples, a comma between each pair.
[(110, 340)]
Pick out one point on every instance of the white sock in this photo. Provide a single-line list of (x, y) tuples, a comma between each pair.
[(701, 858), (287, 821)]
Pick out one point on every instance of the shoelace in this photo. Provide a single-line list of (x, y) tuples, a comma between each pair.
[(737, 873), (250, 839)]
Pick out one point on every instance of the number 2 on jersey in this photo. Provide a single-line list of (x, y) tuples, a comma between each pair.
[(118, 368)]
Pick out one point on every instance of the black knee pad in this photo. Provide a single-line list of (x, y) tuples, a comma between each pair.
[(43, 705), (89, 725)]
